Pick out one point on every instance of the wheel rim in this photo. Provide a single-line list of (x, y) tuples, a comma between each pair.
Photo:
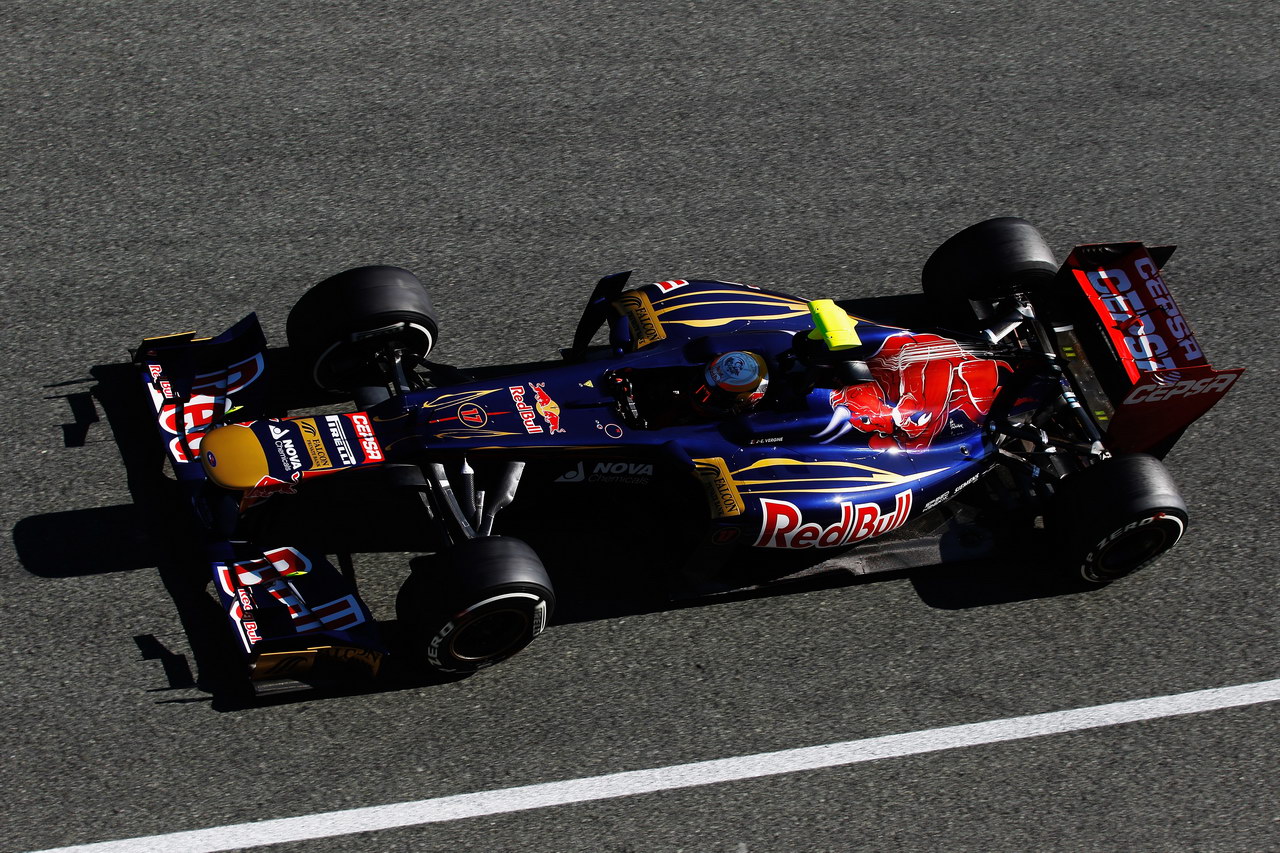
[(1135, 549), (491, 635), (346, 358)]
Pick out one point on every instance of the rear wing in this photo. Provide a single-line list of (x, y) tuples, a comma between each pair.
[(1149, 377)]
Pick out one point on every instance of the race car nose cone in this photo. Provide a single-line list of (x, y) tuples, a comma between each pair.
[(233, 457)]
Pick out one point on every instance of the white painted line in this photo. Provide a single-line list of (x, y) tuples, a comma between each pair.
[(714, 772)]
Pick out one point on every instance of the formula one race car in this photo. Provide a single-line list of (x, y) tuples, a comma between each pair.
[(728, 435)]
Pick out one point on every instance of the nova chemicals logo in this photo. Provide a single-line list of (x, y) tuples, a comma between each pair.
[(613, 473), (575, 476)]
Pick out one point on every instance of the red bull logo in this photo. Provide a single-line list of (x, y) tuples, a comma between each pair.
[(784, 526), (548, 408), (269, 485), (528, 415)]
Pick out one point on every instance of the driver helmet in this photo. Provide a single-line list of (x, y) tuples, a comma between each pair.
[(734, 382)]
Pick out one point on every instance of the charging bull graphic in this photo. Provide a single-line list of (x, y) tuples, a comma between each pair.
[(548, 408), (919, 381)]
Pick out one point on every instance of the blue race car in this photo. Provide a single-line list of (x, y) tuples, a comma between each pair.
[(724, 436)]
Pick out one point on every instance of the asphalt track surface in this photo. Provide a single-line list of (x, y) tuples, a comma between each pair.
[(172, 166)]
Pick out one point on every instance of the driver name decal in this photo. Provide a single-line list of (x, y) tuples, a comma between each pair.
[(784, 526)]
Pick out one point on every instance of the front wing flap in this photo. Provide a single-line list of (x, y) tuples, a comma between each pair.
[(197, 383), (296, 617)]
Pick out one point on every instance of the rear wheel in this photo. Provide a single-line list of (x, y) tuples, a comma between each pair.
[(475, 605), (985, 263), (340, 328), (1116, 516)]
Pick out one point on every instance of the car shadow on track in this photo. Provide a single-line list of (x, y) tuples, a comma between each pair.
[(156, 531)]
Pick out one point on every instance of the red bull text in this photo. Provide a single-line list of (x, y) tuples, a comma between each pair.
[(784, 526)]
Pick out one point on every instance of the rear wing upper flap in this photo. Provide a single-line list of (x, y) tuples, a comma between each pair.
[(1154, 374)]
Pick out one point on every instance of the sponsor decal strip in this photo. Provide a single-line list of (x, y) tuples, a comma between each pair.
[(646, 329), (528, 415), (723, 495), (261, 833), (364, 433), (1156, 388), (346, 457), (1143, 321), (634, 473), (784, 526)]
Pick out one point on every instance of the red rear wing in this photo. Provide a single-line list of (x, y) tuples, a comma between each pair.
[(1160, 380)]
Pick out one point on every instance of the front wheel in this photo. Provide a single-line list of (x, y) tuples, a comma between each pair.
[(1115, 517), (475, 605), (342, 327)]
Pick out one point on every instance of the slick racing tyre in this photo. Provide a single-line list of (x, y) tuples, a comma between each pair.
[(341, 327), (474, 605), (985, 263), (1115, 517)]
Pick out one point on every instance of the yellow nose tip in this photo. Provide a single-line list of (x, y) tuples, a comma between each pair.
[(233, 457)]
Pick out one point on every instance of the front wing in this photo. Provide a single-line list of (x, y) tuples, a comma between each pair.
[(297, 619)]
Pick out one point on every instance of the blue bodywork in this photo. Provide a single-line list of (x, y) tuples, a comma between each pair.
[(774, 465), (837, 448)]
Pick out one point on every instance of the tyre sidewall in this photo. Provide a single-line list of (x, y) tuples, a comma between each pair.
[(1145, 538), (968, 274), (1115, 517), (475, 605), (453, 649), (354, 310)]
